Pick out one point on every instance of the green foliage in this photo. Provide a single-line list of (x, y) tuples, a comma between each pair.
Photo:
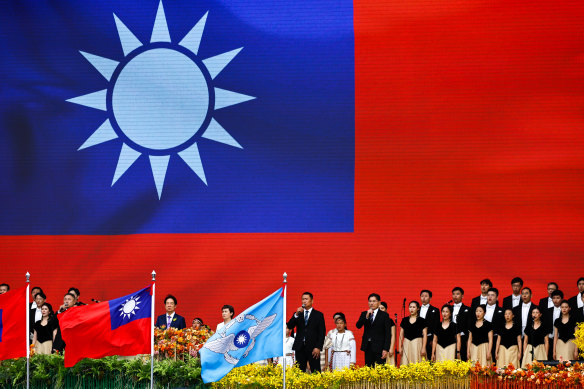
[(49, 371)]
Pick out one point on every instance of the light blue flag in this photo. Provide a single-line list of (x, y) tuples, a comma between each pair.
[(255, 334)]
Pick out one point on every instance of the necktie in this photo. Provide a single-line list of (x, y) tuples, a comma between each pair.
[(305, 317), (371, 317), (168, 321)]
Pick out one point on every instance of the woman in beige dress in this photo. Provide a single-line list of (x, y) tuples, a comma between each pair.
[(413, 336), (564, 329), (480, 338), (45, 331), (508, 348), (535, 341), (446, 341), (390, 359)]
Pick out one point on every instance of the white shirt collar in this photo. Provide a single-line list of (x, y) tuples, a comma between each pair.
[(458, 305), (491, 306), (524, 306), (171, 315)]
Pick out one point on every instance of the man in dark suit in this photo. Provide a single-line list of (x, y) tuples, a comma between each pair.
[(546, 302), (579, 313), (549, 316), (481, 299), (522, 312), (576, 301), (171, 318), (310, 333), (432, 316), (496, 316), (514, 299), (376, 339), (462, 316)]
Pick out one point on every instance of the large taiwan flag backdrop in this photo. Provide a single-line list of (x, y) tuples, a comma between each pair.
[(13, 334), (117, 327), (383, 146)]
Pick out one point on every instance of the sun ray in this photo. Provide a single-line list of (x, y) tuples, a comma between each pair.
[(160, 31), (103, 65), (219, 134), (127, 38), (217, 63), (225, 98), (159, 163), (127, 157), (104, 133), (95, 100), (192, 158), (192, 40)]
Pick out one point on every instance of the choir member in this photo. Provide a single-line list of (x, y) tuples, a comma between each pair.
[(546, 302), (522, 312), (480, 339), (413, 336), (446, 342), (549, 318), (576, 302), (514, 299), (535, 341), (461, 316), (481, 299), (508, 342), (431, 314), (564, 328)]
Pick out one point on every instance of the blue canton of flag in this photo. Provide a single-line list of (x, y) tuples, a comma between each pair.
[(132, 307), (255, 334), (1, 325)]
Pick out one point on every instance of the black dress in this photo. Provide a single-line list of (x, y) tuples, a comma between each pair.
[(480, 334), (509, 335), (447, 336), (415, 330), (565, 330)]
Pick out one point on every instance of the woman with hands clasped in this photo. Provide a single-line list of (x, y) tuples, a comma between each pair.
[(446, 343), (413, 336), (480, 338)]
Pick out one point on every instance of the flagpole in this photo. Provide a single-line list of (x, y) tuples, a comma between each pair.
[(27, 330), (152, 330), (284, 337)]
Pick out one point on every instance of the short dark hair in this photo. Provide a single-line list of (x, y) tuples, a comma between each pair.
[(74, 289), (384, 304), (459, 289), (7, 286), (36, 287), (494, 290), (426, 291), (378, 297), (230, 308), (309, 295), (577, 282), (70, 294), (517, 279), (338, 314), (558, 292), (553, 283), (199, 319), (169, 296), (526, 288), (488, 282), (41, 294), (565, 302)]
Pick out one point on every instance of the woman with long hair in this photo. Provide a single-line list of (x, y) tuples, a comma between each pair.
[(564, 329), (480, 338), (535, 341), (45, 331), (413, 336)]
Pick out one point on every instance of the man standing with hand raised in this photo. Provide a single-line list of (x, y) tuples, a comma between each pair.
[(310, 333), (377, 337)]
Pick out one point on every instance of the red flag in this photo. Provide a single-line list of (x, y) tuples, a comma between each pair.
[(13, 334), (116, 327)]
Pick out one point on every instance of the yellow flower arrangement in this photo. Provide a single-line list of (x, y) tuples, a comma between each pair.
[(580, 338), (173, 343)]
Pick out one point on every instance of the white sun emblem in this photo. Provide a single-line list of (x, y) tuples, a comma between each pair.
[(241, 339), (160, 99), (129, 307)]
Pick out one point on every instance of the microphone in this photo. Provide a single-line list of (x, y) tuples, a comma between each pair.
[(404, 302), (95, 301), (450, 302)]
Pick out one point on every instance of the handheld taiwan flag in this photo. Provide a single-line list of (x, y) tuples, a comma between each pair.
[(13, 333), (116, 327), (253, 335)]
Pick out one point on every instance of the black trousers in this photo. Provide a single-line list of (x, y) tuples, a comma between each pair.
[(304, 357), (463, 347), (429, 341), (372, 358), (494, 349)]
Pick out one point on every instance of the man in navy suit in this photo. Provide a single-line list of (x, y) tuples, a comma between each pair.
[(310, 333), (171, 318), (376, 339)]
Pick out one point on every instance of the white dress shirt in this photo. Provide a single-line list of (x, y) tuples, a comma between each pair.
[(456, 309), (483, 300), (515, 300), (490, 312), (524, 316), (424, 310), (38, 315), (557, 313), (579, 301), (550, 302)]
